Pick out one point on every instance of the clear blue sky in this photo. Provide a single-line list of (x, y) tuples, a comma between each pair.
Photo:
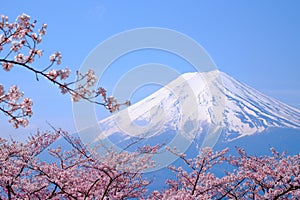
[(256, 42)]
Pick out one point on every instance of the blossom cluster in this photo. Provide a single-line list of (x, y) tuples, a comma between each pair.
[(12, 102), (18, 41)]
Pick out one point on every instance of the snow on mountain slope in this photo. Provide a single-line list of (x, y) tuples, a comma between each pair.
[(201, 102), (249, 111)]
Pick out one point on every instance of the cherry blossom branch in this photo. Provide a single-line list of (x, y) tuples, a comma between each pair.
[(19, 47)]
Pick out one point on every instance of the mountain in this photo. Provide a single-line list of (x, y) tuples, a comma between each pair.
[(201, 108), (198, 110), (202, 103)]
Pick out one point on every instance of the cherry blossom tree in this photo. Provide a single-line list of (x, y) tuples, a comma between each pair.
[(80, 174), (264, 177), (196, 182), (276, 176), (72, 174), (15, 159)]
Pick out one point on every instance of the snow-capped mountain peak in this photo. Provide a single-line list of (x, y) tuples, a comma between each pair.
[(202, 103)]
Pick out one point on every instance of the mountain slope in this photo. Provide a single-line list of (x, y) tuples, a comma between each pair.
[(248, 111)]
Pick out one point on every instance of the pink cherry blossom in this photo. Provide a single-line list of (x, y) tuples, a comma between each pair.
[(19, 42), (73, 174), (1, 91), (78, 173), (264, 177), (7, 66)]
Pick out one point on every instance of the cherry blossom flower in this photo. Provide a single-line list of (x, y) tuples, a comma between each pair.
[(7, 66), (1, 91)]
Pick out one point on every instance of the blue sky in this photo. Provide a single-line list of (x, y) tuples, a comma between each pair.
[(256, 42)]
